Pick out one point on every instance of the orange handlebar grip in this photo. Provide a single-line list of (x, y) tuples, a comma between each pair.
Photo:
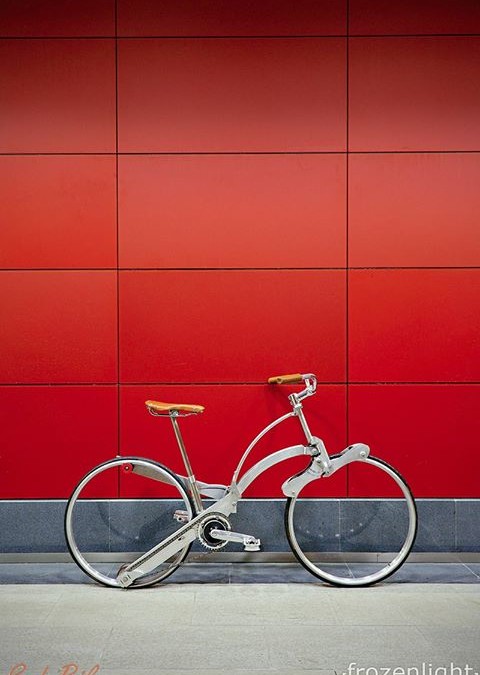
[(285, 379)]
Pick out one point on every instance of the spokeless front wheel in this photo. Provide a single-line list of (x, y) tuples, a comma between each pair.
[(359, 539), (121, 509)]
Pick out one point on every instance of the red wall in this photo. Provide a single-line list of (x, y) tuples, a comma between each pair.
[(225, 192)]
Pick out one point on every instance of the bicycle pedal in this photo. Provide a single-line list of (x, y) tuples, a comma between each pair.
[(181, 516), (253, 545), (249, 542)]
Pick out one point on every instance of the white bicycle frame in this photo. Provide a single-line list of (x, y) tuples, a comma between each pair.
[(227, 497)]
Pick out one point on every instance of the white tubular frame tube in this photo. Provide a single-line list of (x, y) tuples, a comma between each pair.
[(255, 441), (269, 461)]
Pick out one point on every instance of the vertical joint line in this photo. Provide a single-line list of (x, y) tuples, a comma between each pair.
[(117, 242), (347, 261)]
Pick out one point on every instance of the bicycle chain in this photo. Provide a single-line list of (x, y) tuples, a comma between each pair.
[(197, 525)]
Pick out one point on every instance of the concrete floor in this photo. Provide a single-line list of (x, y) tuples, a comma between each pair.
[(241, 573), (280, 628)]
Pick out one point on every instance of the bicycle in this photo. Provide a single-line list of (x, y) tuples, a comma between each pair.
[(149, 534)]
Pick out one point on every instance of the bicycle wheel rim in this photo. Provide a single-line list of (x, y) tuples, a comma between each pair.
[(385, 569), (88, 560)]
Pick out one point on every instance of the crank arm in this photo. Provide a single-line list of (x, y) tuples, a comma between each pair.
[(249, 542)]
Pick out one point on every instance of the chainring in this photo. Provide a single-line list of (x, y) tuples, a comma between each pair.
[(215, 521)]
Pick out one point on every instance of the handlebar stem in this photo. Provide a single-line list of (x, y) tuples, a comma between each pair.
[(296, 401), (310, 389), (298, 412)]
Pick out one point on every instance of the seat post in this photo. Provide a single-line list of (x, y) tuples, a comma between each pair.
[(191, 478)]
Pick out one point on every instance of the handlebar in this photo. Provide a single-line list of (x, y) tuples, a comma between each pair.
[(309, 379), (285, 379)]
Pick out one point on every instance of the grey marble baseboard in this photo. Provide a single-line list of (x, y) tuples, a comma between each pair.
[(444, 525)]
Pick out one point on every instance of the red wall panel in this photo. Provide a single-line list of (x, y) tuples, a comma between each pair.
[(414, 94), (223, 17), (58, 211), (232, 211), (233, 416), (58, 327), (241, 95), (410, 17), (420, 430), (51, 436), (231, 326), (411, 210), (414, 325), (57, 18), (58, 96), (247, 102)]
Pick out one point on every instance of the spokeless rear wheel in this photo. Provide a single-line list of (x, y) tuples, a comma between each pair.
[(121, 509), (357, 540)]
